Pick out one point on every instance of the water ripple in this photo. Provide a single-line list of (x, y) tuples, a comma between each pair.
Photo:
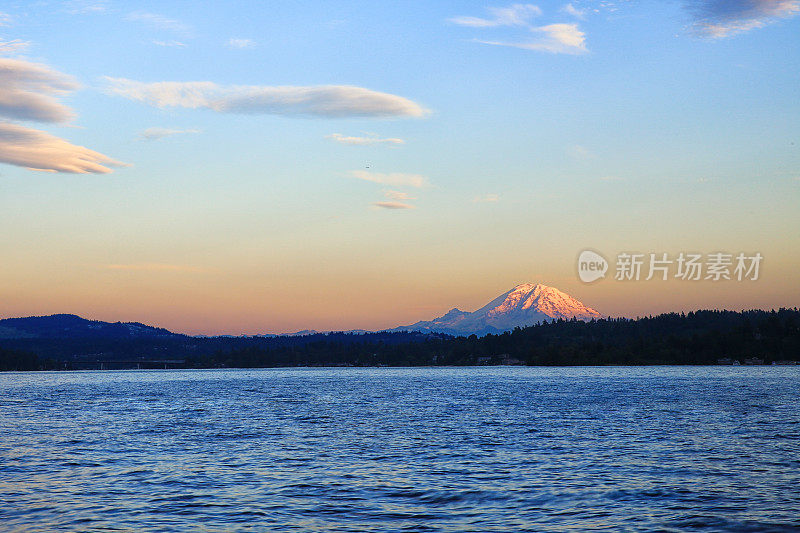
[(440, 450)]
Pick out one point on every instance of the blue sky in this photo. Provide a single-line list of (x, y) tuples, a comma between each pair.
[(250, 167)]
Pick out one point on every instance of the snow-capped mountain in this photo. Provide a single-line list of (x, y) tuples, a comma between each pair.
[(523, 305)]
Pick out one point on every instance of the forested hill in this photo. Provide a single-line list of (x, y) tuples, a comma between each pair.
[(701, 337), (695, 338), (72, 326)]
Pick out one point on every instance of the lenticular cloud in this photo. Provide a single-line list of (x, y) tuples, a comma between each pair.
[(328, 101), (30, 91), (37, 150)]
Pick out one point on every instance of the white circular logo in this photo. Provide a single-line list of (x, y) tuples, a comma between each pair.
[(591, 266)]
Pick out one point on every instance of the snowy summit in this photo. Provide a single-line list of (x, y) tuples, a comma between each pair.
[(524, 305)]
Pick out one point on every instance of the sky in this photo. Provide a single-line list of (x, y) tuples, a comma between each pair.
[(252, 167)]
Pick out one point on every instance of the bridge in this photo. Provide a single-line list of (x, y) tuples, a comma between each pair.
[(124, 364)]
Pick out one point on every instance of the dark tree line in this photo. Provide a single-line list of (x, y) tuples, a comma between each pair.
[(695, 338), (19, 360), (76, 352)]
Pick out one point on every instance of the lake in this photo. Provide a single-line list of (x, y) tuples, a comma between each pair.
[(402, 449)]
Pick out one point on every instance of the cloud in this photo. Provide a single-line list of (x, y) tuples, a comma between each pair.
[(398, 195), (577, 151), (37, 150), (718, 19), (487, 199), (393, 205), (176, 44), (612, 178), (154, 267), (152, 134), (5, 19), (515, 15), (158, 22), (12, 47), (395, 179), (395, 200), (569, 9), (554, 38), (330, 101), (80, 7), (27, 91), (240, 43), (363, 141)]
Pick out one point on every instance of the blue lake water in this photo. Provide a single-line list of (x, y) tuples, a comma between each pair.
[(386, 449)]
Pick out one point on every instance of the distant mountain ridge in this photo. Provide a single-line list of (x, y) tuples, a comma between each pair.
[(524, 305), (72, 326)]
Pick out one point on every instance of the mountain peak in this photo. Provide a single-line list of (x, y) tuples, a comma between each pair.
[(529, 286), (535, 287), (524, 305)]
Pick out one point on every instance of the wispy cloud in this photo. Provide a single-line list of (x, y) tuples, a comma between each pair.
[(330, 101), (553, 38), (395, 200), (363, 141), (515, 15), (612, 178), (398, 195), (393, 205), (5, 19), (152, 134), (176, 44), (234, 42), (158, 22), (14, 46), (154, 267), (571, 10), (487, 199), (722, 18), (576, 151), (37, 150), (80, 7), (28, 90), (394, 179)]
